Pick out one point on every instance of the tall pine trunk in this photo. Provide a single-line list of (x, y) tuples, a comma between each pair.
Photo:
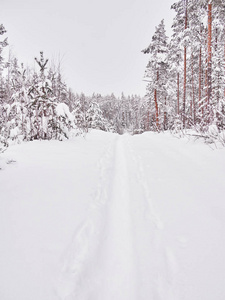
[(178, 94), (209, 55), (193, 89), (156, 104), (224, 68), (200, 78), (185, 70)]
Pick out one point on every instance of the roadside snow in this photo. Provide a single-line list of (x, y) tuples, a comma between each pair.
[(112, 217)]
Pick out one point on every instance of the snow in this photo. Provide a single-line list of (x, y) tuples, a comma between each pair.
[(62, 110), (112, 217), (14, 132)]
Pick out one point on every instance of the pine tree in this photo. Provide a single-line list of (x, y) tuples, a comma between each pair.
[(95, 117), (3, 44), (156, 72), (48, 119), (3, 91)]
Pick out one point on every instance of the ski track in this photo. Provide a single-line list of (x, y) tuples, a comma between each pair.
[(119, 252), (163, 265), (86, 238)]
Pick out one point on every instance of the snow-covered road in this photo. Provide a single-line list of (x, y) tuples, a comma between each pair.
[(113, 217)]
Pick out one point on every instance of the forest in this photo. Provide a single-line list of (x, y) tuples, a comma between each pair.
[(185, 90)]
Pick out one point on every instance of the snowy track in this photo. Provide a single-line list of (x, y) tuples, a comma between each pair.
[(112, 217), (118, 253)]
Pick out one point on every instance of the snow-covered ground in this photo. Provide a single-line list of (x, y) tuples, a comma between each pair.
[(112, 217)]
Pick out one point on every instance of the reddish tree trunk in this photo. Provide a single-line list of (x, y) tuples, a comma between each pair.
[(200, 78), (205, 106), (209, 55), (178, 93), (193, 89), (185, 71), (217, 73), (156, 104), (224, 67)]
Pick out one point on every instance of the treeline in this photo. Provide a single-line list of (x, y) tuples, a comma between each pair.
[(39, 105), (186, 74), (185, 89)]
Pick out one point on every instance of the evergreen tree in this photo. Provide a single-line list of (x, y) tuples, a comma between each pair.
[(95, 117), (3, 91), (156, 72), (3, 44)]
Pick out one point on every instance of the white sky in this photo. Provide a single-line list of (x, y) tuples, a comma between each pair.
[(98, 41)]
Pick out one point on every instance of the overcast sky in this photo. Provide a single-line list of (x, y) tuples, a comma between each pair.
[(99, 42)]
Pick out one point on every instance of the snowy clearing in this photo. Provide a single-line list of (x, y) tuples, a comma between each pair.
[(112, 217)]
